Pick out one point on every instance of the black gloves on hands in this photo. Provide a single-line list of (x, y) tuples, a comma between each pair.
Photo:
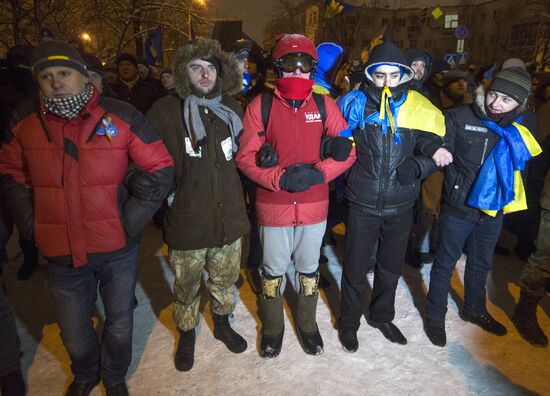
[(267, 157), (337, 147), (143, 185), (408, 171), (300, 177)]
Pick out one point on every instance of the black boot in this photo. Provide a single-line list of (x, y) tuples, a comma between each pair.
[(389, 330), (271, 313), (119, 389), (185, 354), (13, 384), (525, 320), (223, 332), (81, 388), (348, 339), (306, 325), (30, 260), (485, 321), (435, 330)]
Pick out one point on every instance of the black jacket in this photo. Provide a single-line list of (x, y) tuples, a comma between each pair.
[(372, 184), (469, 140)]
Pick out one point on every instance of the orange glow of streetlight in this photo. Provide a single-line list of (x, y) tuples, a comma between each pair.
[(86, 37)]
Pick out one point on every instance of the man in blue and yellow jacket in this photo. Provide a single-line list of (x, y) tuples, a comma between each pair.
[(397, 134)]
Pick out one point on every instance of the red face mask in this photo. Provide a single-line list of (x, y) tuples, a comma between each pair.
[(294, 88)]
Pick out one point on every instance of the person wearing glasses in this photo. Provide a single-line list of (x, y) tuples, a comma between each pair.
[(281, 151)]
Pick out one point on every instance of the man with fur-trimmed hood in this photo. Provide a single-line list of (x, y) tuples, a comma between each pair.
[(490, 145), (206, 217)]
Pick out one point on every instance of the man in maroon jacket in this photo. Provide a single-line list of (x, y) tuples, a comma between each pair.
[(284, 159), (72, 153)]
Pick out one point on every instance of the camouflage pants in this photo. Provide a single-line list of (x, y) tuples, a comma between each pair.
[(223, 265), (536, 273)]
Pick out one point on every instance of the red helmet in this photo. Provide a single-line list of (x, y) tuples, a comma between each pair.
[(293, 43)]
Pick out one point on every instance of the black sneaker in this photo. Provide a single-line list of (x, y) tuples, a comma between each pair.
[(485, 321), (389, 330), (119, 389), (348, 339), (435, 330)]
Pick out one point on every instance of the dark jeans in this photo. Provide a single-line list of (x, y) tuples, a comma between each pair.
[(362, 233), (10, 346), (74, 291), (477, 240)]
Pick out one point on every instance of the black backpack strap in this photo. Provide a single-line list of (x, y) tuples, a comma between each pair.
[(320, 102), (267, 101)]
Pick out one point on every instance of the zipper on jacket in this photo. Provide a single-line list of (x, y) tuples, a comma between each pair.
[(484, 151), (384, 168)]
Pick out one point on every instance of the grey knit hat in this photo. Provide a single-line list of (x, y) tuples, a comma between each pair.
[(514, 82), (56, 53), (453, 75)]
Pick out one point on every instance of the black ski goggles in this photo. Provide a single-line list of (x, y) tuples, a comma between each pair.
[(291, 62)]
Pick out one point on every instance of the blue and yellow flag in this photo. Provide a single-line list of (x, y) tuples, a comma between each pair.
[(499, 185), (153, 47), (334, 8)]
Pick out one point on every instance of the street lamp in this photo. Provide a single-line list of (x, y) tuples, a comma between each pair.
[(86, 37)]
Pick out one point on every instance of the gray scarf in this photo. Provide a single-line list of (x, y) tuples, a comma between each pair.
[(194, 124), (68, 107)]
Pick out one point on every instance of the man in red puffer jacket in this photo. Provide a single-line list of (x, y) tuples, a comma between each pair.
[(292, 159)]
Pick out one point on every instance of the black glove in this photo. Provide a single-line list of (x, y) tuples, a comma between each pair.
[(408, 171), (337, 147), (143, 185), (267, 156), (300, 177)]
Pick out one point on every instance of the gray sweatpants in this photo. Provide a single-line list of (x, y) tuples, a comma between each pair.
[(298, 245)]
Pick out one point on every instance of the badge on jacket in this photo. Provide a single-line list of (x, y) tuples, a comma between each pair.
[(107, 128), (227, 148), (190, 150)]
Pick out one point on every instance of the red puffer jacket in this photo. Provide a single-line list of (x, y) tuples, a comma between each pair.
[(81, 207), (296, 136)]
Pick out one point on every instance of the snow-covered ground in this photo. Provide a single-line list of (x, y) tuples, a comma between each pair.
[(474, 362)]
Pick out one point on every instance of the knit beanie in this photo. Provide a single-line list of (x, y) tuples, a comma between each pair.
[(56, 53), (128, 58), (512, 62), (453, 75), (514, 82)]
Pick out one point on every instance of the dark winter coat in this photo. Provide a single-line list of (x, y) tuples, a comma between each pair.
[(469, 140), (372, 184), (207, 206), (81, 208), (142, 95)]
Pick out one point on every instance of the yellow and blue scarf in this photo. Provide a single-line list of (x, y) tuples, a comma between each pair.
[(499, 185), (411, 111)]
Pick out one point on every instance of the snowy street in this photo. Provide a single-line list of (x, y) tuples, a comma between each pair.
[(474, 362)]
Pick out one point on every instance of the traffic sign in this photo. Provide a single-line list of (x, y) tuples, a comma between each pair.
[(461, 32), (436, 13), (451, 59), (463, 58)]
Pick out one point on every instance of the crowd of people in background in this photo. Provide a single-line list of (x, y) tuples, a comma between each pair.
[(421, 162)]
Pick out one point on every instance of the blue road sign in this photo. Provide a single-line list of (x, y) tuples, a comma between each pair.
[(461, 32)]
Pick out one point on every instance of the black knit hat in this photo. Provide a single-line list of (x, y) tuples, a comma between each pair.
[(128, 58), (453, 75), (514, 82), (56, 53)]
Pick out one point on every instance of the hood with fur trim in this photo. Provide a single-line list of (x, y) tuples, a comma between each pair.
[(479, 100), (229, 77)]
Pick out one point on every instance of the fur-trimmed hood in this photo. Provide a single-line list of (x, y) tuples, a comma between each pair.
[(479, 99), (229, 77)]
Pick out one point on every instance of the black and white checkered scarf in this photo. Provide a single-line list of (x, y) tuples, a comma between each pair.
[(68, 107)]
